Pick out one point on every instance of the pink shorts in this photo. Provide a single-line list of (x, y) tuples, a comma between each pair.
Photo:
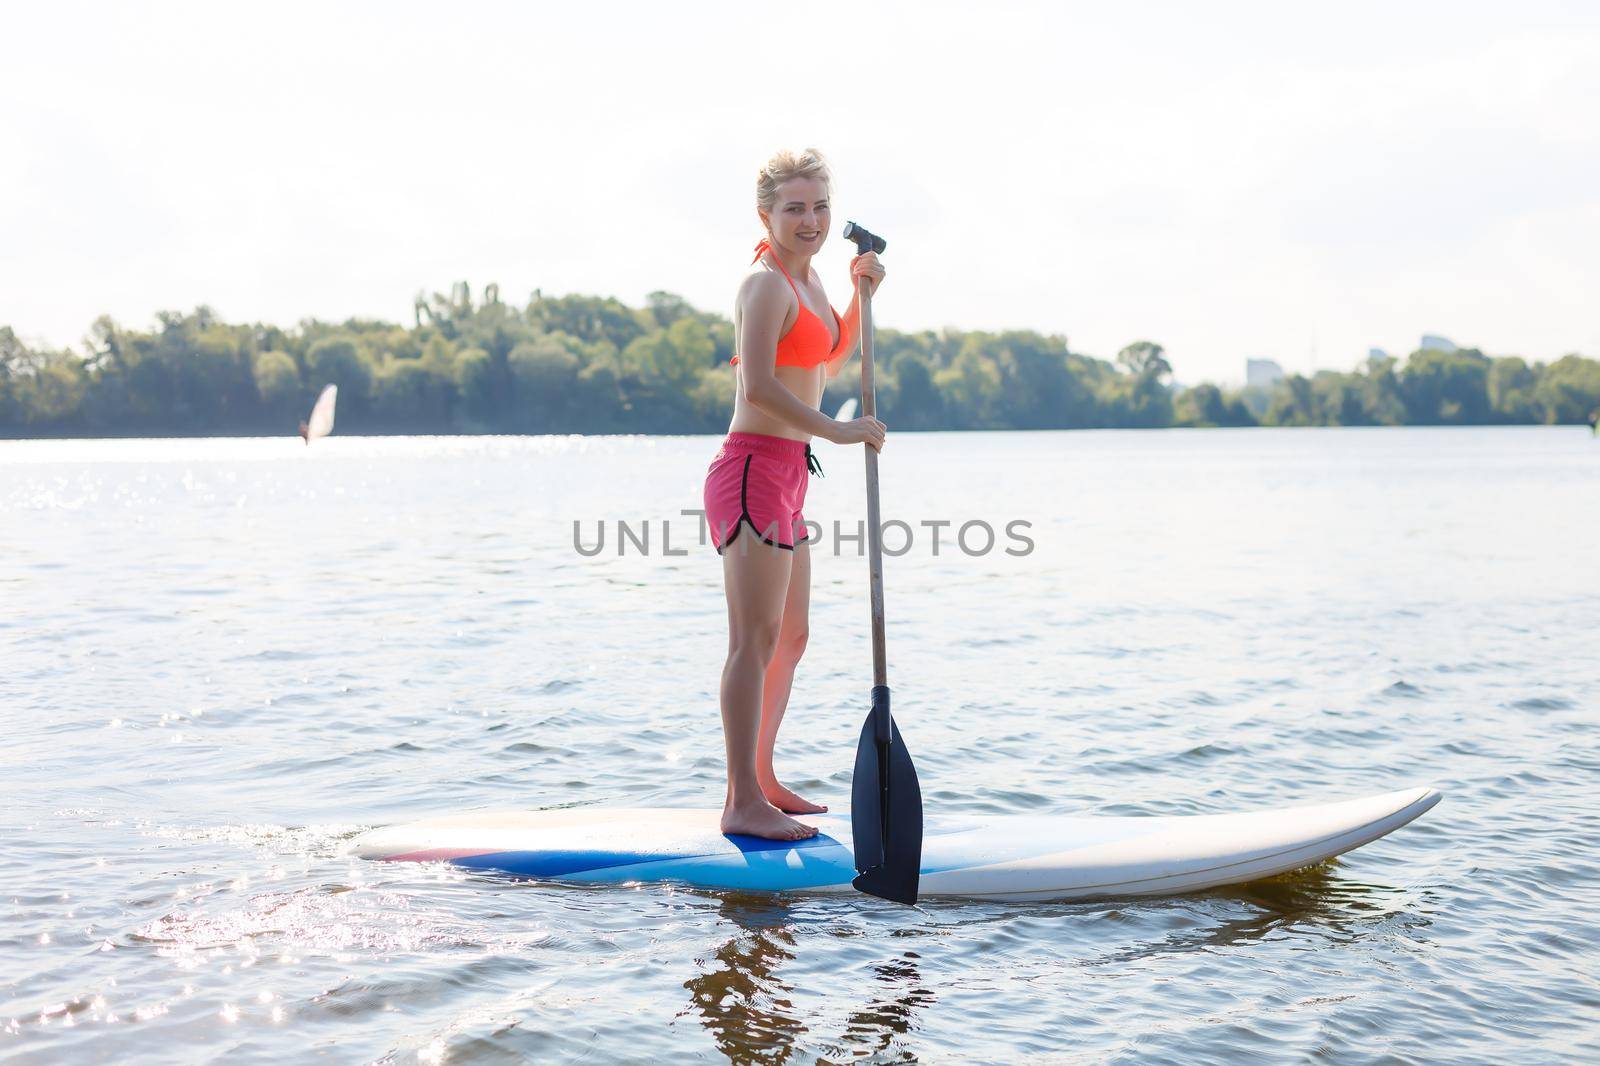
[(759, 481)]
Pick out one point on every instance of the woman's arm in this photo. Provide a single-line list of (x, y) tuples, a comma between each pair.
[(865, 265)]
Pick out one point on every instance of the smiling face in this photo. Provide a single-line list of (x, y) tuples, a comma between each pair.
[(800, 219)]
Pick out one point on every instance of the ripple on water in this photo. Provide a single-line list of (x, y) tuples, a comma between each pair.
[(1542, 703)]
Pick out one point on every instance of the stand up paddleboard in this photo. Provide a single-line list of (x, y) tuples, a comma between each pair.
[(1005, 857)]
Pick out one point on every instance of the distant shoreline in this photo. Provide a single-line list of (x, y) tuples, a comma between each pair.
[(593, 365), (523, 436)]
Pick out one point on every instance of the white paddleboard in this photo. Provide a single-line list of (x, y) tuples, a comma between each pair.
[(1007, 857)]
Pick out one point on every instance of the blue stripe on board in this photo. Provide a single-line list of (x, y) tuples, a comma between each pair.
[(748, 844), (560, 863), (821, 864)]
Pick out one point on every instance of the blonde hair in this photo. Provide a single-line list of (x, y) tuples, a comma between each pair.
[(786, 164)]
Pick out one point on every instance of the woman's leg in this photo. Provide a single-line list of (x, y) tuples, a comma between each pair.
[(757, 579), (780, 681)]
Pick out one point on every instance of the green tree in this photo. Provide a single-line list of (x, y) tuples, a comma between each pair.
[(1145, 359), (14, 358), (666, 308), (712, 398), (417, 393), (277, 381), (447, 314), (599, 400), (589, 318), (1207, 405), (545, 374), (215, 378), (1140, 397), (1294, 403), (1511, 385), (1446, 388), (1568, 390), (693, 349), (476, 380), (918, 402), (1380, 392), (970, 386), (1037, 390), (51, 393), (1338, 399), (338, 360)]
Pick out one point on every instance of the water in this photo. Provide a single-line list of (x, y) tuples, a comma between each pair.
[(220, 659)]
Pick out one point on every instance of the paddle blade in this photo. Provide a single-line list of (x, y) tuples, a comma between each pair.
[(886, 816)]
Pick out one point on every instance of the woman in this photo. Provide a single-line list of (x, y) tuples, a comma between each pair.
[(788, 340)]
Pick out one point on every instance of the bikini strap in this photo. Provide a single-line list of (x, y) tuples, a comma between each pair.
[(766, 245)]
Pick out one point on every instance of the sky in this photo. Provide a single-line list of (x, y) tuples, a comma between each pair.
[(1230, 180)]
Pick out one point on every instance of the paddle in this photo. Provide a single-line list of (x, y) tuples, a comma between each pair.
[(885, 799)]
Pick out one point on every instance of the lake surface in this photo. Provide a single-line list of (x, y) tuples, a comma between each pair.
[(221, 659)]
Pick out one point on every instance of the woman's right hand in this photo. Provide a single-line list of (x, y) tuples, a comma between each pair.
[(863, 430)]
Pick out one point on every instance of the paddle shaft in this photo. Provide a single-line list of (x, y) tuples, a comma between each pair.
[(869, 409)]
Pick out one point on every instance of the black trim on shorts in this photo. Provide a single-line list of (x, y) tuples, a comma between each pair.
[(744, 515)]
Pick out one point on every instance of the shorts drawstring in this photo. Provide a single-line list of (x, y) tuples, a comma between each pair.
[(812, 463)]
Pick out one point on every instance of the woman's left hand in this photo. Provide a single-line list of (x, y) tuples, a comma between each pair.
[(866, 265)]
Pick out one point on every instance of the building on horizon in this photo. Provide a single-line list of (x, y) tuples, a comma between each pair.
[(1263, 372), (1434, 343)]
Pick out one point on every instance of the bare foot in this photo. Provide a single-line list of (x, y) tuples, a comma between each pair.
[(787, 801), (764, 820)]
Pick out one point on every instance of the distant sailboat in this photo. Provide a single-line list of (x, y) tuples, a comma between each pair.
[(847, 410), (320, 424)]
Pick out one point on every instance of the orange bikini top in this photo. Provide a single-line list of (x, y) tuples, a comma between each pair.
[(808, 343)]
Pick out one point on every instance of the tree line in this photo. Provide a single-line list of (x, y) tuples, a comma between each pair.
[(590, 364)]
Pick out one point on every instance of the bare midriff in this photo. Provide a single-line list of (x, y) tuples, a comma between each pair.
[(748, 418)]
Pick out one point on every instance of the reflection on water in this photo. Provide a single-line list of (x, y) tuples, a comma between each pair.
[(1312, 903), (741, 1000), (893, 1012), (220, 660), (750, 1009)]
